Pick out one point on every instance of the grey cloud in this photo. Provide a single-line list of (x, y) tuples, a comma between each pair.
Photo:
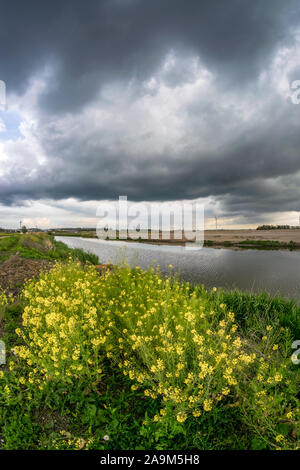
[(97, 43), (242, 170), (91, 43)]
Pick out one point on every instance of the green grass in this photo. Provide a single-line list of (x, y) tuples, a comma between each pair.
[(252, 310), (272, 244), (42, 246), (9, 243), (255, 244), (62, 252)]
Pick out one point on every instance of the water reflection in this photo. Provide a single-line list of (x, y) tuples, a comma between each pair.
[(277, 272)]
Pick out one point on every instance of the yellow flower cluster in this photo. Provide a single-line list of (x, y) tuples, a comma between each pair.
[(171, 342), (166, 339), (62, 330)]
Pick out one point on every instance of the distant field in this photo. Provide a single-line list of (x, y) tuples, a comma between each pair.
[(238, 235), (276, 239)]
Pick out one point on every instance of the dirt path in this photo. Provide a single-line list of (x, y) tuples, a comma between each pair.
[(16, 270)]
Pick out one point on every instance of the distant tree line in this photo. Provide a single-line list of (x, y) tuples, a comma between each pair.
[(276, 227)]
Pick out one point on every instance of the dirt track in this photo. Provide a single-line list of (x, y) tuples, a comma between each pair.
[(15, 270)]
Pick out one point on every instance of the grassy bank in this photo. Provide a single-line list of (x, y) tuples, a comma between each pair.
[(41, 246), (132, 360), (256, 244)]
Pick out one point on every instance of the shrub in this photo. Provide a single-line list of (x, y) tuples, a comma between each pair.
[(174, 344), (62, 330)]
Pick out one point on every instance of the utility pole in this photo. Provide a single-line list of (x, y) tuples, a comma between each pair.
[(216, 218)]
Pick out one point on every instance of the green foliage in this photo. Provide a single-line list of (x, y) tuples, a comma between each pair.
[(274, 227), (254, 311), (9, 243), (208, 243), (227, 243), (267, 244)]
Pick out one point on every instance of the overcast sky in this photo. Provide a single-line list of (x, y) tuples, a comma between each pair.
[(161, 100)]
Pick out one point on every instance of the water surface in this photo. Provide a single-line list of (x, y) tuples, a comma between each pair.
[(277, 272)]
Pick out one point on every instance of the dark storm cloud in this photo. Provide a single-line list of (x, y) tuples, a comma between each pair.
[(89, 45), (239, 176), (92, 42)]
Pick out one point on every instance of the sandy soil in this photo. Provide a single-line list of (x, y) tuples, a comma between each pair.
[(239, 235)]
